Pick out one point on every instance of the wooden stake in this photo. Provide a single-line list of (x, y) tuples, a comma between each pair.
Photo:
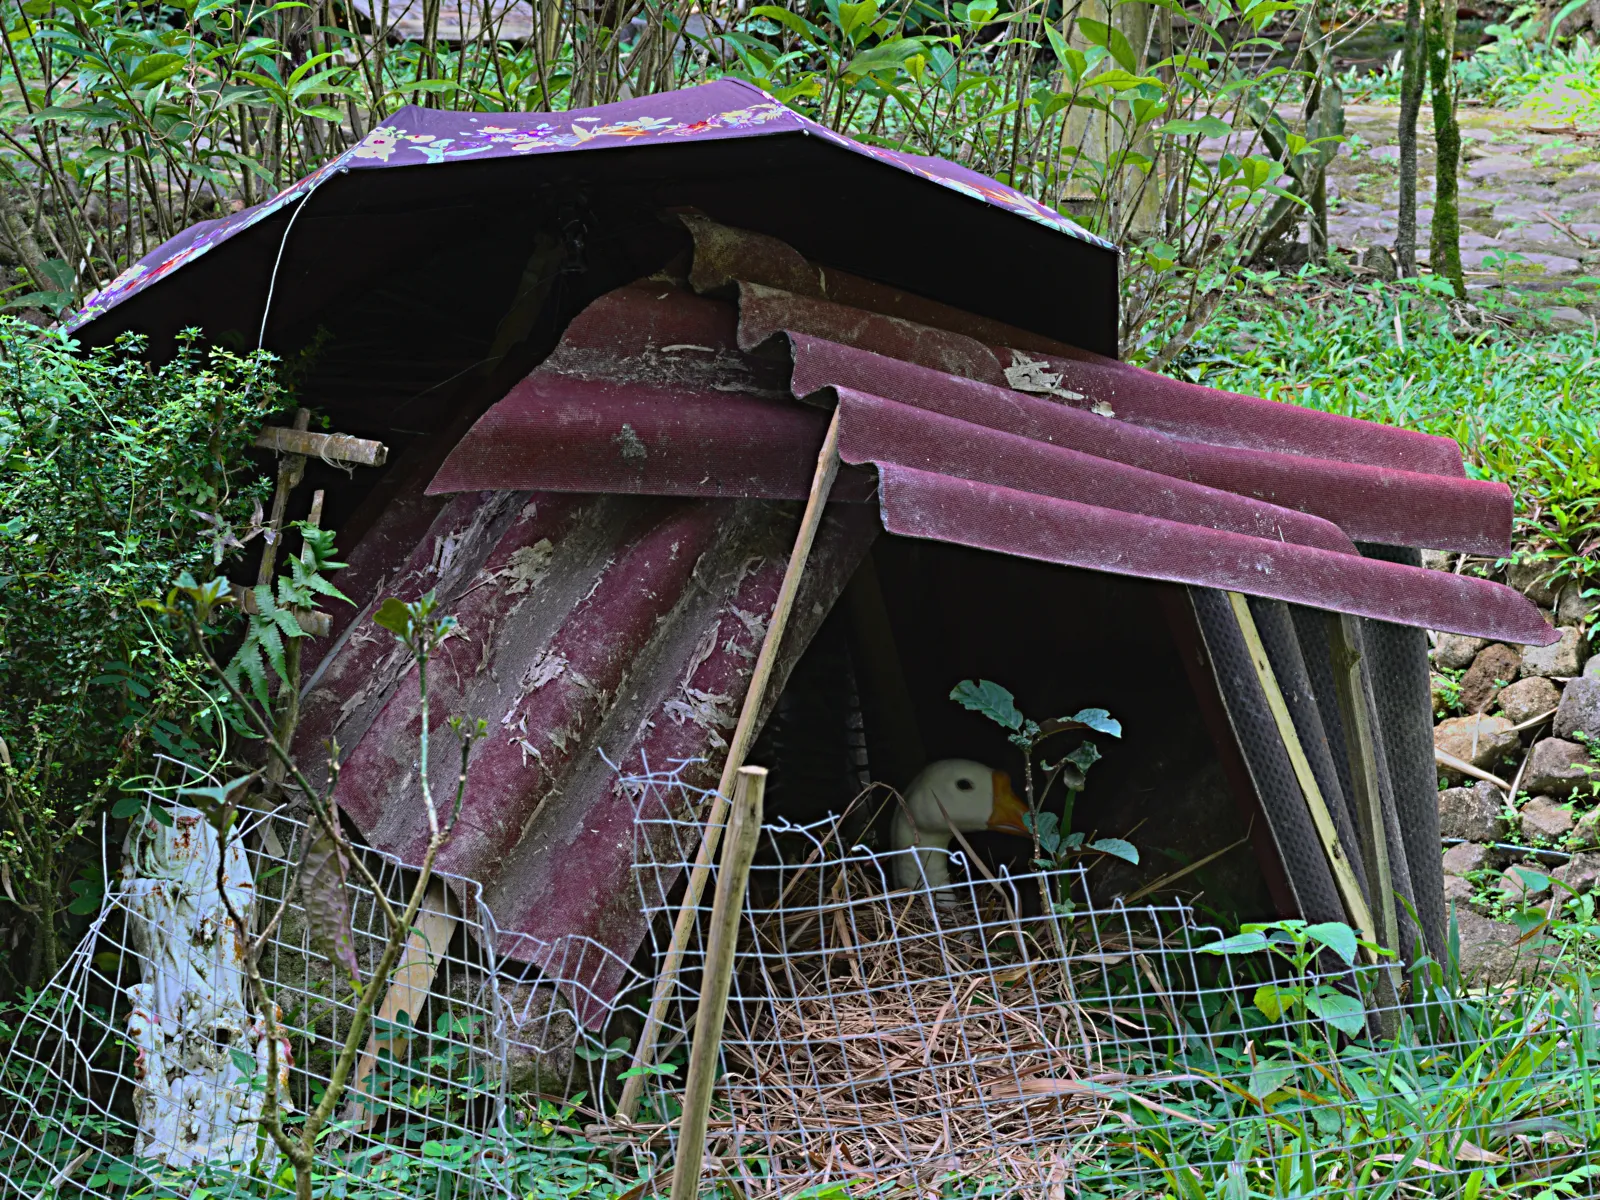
[(1343, 874), (1344, 636), (738, 747), (744, 827), (409, 988), (291, 470)]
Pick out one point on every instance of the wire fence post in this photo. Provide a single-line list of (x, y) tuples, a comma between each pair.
[(738, 849)]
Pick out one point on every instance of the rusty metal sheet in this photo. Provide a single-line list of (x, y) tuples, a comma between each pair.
[(1370, 503), (925, 504), (557, 433)]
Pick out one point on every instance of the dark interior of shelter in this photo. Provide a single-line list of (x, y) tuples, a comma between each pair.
[(870, 700)]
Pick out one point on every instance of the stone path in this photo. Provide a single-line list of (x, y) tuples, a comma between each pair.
[(1530, 202)]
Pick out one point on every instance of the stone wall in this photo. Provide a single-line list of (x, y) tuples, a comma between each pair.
[(1529, 718)]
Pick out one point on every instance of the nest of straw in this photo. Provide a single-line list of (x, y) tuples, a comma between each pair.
[(900, 1039)]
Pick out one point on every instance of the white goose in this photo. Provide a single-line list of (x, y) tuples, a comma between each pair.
[(953, 791)]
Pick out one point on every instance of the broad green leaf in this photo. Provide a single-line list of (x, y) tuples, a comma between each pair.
[(990, 699), (393, 615), (1099, 720), (1344, 1012), (1268, 1075), (1117, 848), (1239, 943), (1049, 829), (1339, 938), (857, 16), (1121, 81), (1202, 127), (1112, 38), (1274, 1000)]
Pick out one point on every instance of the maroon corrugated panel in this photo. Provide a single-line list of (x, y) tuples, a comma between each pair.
[(592, 628), (558, 433), (926, 504), (553, 433), (1185, 410), (1376, 504)]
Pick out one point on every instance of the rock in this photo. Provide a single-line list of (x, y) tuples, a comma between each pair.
[(1581, 873), (1557, 768), (1541, 817), (1492, 668), (1457, 650), (1492, 951), (1457, 890), (1564, 658), (1572, 606), (541, 1036), (1524, 882), (1474, 813), (1528, 698), (1437, 560), (1579, 711), (1467, 857), (1591, 669), (1587, 831), (1532, 579), (1481, 741)]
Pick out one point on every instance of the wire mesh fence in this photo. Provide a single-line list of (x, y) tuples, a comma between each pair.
[(1007, 1034), (141, 1070)]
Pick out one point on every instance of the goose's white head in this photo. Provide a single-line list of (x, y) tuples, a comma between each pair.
[(953, 791)]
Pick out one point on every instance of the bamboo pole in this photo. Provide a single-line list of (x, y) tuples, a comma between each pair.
[(1344, 875), (738, 747), (744, 827), (1361, 747)]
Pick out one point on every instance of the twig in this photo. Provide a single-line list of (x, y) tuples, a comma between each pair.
[(744, 828)]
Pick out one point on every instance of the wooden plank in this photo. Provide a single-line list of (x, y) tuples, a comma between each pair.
[(332, 447), (409, 987), (1344, 875), (1344, 636), (744, 828), (738, 747)]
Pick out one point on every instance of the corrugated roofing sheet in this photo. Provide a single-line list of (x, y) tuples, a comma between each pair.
[(1095, 465), (613, 531)]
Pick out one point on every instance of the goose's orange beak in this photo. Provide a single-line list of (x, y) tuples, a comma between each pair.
[(1008, 811)]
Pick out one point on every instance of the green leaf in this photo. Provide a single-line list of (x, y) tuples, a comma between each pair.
[(1122, 81), (1084, 756), (244, 1063), (1112, 38), (857, 16), (1268, 1075), (1117, 848), (1339, 938), (1049, 830), (1239, 943), (1099, 720), (393, 615), (990, 699), (1208, 126), (1274, 1000), (1339, 1009)]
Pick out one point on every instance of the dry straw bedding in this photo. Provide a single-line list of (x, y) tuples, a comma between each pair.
[(891, 1039)]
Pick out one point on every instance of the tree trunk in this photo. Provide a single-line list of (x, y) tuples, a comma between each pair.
[(1413, 68), (1444, 245)]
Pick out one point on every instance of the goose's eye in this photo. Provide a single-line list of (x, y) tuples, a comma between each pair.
[(964, 785)]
